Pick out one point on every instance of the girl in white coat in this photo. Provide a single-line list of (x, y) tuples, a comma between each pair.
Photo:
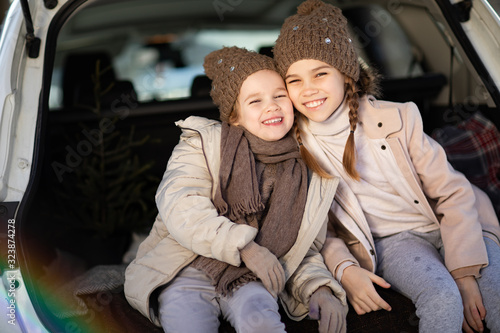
[(239, 222), (400, 207)]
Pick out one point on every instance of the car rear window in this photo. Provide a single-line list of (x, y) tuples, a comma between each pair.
[(162, 66)]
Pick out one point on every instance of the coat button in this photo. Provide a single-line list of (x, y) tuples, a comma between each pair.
[(383, 147), (379, 124), (416, 201), (372, 252)]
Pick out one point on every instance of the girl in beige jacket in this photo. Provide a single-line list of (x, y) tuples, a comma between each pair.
[(400, 208)]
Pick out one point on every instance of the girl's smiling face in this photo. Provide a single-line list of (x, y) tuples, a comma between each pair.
[(263, 106), (315, 88)]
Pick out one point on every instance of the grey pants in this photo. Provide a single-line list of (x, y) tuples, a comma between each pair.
[(190, 304), (412, 263)]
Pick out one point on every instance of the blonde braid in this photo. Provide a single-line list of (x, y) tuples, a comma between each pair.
[(308, 158), (349, 158)]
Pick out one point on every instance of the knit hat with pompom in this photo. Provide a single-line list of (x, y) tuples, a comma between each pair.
[(318, 31), (228, 68)]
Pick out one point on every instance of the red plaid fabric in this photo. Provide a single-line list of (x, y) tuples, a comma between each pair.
[(473, 148)]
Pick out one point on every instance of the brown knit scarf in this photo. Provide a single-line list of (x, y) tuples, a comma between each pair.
[(262, 184)]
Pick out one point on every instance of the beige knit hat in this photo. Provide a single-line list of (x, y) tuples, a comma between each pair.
[(318, 31), (228, 68)]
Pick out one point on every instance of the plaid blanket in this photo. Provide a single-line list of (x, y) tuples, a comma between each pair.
[(473, 148)]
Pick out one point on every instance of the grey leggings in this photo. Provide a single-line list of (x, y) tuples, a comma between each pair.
[(412, 263)]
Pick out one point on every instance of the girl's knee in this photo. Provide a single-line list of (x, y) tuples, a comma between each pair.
[(260, 315), (441, 302), (445, 288), (440, 311), (260, 322)]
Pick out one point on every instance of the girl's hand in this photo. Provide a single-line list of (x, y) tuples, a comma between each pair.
[(474, 311), (358, 284), (265, 265), (328, 309)]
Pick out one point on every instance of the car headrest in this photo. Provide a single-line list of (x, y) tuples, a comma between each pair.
[(200, 88), (86, 72), (266, 50)]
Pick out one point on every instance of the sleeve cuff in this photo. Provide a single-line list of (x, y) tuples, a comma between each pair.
[(466, 271), (335, 252), (340, 270)]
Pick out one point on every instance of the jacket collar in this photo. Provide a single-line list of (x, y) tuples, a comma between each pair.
[(379, 119)]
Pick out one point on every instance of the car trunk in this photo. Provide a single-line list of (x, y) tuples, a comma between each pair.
[(75, 220)]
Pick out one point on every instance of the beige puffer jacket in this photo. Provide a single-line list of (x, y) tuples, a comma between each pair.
[(188, 225)]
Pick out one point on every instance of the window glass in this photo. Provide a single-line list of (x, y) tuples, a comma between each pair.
[(165, 67), (162, 67), (495, 4)]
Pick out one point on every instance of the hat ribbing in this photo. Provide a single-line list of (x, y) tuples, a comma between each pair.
[(228, 68), (318, 31)]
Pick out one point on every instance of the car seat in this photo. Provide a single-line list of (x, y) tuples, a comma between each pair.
[(201, 86)]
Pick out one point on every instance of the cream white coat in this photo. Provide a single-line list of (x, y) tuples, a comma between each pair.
[(188, 225)]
